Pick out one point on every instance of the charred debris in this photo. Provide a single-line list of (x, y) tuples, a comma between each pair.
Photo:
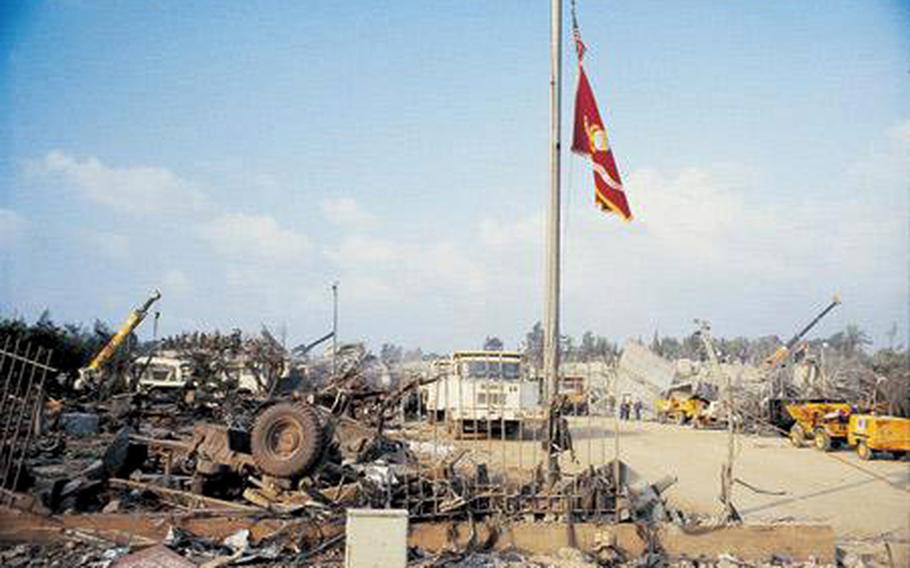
[(259, 434)]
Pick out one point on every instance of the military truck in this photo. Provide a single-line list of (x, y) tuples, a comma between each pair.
[(169, 373), (483, 392)]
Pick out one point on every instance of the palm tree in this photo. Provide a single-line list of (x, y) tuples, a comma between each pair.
[(855, 340)]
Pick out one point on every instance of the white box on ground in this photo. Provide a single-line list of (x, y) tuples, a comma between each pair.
[(376, 538)]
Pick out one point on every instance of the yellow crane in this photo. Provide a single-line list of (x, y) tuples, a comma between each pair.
[(780, 356), (135, 317)]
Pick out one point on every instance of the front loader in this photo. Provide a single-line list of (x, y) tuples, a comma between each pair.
[(823, 422)]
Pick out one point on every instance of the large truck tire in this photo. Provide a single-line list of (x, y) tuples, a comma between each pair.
[(797, 436), (823, 441), (864, 452), (287, 439)]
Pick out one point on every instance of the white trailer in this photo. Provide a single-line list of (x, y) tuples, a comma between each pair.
[(483, 392)]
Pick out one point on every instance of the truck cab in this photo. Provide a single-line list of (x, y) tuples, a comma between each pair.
[(166, 373), (483, 392), (162, 373)]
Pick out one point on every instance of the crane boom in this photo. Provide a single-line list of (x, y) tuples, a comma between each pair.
[(802, 333), (779, 356), (132, 322)]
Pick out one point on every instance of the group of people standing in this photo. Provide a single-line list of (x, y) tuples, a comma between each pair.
[(627, 407)]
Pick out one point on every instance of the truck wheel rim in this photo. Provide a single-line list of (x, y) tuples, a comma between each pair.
[(284, 438)]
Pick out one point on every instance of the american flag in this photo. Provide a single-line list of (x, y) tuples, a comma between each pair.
[(579, 45)]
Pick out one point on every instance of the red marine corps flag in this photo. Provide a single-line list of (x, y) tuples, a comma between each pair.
[(590, 139)]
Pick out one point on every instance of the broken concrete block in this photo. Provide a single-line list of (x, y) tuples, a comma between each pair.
[(121, 457), (79, 423)]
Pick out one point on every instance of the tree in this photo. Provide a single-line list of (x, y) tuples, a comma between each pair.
[(851, 342), (534, 346), (669, 348), (587, 349), (856, 340), (692, 347), (493, 343), (605, 350), (736, 349), (390, 354), (415, 354), (567, 349)]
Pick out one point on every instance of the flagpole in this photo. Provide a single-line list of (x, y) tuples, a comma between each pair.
[(551, 313)]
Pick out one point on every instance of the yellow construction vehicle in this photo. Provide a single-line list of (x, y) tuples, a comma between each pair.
[(678, 410), (575, 394), (89, 373), (777, 403), (872, 434), (822, 422), (685, 403)]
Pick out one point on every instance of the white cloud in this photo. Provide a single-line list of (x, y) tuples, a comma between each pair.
[(705, 243), (346, 212), (255, 238), (508, 235), (373, 268), (357, 250), (137, 189), (12, 227)]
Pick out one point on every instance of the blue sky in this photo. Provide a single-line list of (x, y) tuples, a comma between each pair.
[(241, 157)]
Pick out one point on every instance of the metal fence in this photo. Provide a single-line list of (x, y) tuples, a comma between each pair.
[(494, 425), (24, 368)]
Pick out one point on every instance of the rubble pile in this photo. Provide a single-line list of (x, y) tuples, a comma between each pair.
[(211, 473), (803, 375), (221, 456)]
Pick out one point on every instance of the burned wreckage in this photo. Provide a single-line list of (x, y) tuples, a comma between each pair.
[(288, 467), (340, 447), (336, 442)]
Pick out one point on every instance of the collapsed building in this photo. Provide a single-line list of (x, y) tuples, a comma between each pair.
[(286, 464)]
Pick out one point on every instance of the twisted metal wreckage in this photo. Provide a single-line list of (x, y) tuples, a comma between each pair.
[(309, 455)]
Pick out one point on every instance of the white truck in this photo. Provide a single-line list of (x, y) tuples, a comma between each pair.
[(161, 373), (483, 392), (168, 373)]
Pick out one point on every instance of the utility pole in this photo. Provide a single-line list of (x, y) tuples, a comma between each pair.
[(551, 313), (726, 472), (334, 328)]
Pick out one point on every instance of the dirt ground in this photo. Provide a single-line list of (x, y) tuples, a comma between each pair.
[(865, 502)]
